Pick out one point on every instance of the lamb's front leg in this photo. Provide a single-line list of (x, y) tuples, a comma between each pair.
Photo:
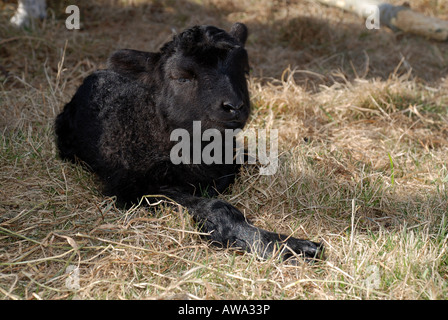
[(227, 226)]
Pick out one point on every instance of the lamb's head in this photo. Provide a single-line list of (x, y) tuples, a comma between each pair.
[(198, 76)]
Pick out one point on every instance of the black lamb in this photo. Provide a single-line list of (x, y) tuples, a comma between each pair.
[(120, 120)]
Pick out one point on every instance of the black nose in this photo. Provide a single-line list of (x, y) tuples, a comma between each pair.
[(232, 106)]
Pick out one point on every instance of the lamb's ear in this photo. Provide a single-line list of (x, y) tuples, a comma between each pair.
[(132, 63), (240, 32)]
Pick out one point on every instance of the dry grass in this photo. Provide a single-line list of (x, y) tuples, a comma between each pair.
[(363, 128)]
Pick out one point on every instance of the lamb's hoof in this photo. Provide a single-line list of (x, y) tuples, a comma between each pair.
[(299, 250)]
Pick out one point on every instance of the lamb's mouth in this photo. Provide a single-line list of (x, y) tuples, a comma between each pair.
[(222, 124), (232, 124)]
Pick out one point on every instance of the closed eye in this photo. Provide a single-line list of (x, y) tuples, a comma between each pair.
[(182, 76), (183, 80)]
